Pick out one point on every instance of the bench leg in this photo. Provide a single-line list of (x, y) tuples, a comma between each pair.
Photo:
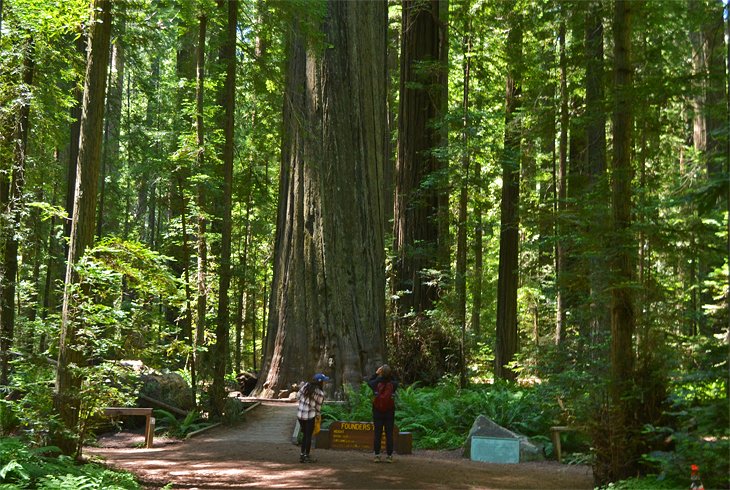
[(149, 432), (556, 444)]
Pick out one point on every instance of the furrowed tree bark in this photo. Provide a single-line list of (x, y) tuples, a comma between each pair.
[(420, 229), (507, 337), (66, 403), (228, 58), (621, 432), (327, 308), (421, 184)]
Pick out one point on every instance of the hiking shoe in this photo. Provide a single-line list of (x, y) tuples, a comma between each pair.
[(389, 459), (376, 459), (302, 458)]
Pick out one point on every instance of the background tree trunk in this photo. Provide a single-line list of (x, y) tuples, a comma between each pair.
[(421, 183), (14, 213), (82, 225), (561, 191), (112, 133), (596, 159), (507, 336), (327, 304), (202, 244), (623, 457), (461, 246), (228, 58)]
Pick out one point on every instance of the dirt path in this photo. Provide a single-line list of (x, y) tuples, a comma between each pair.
[(259, 454)]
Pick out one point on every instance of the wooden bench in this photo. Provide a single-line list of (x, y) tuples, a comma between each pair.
[(149, 431), (555, 436)]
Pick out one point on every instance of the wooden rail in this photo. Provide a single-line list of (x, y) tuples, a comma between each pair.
[(149, 431)]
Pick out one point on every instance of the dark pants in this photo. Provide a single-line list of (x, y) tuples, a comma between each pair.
[(383, 420), (307, 430)]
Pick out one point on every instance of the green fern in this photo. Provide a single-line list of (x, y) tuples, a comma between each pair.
[(441, 416), (175, 427)]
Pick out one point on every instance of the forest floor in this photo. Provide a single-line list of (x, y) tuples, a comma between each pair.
[(236, 457)]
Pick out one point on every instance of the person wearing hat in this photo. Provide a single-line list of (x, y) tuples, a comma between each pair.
[(311, 397)]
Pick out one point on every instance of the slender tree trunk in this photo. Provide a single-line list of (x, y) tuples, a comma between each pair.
[(547, 198), (708, 120), (327, 308), (73, 149), (596, 158), (185, 71), (727, 164), (561, 191), (202, 244), (228, 58), (53, 258), (14, 212), (507, 336), (66, 403), (188, 323), (239, 327), (461, 244)]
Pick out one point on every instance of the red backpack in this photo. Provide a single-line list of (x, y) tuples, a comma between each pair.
[(383, 401)]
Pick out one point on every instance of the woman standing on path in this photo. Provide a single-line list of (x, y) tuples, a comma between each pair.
[(384, 387), (311, 397)]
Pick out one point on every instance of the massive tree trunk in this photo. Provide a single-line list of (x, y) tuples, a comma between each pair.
[(66, 402), (421, 190), (327, 302), (621, 460), (507, 337), (228, 58), (14, 213)]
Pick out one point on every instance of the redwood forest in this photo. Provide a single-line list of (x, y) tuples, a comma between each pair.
[(521, 206)]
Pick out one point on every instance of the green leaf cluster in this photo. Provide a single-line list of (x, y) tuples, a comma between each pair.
[(26, 467)]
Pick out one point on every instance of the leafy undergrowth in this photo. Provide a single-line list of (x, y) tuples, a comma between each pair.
[(22, 467), (645, 483), (440, 417)]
